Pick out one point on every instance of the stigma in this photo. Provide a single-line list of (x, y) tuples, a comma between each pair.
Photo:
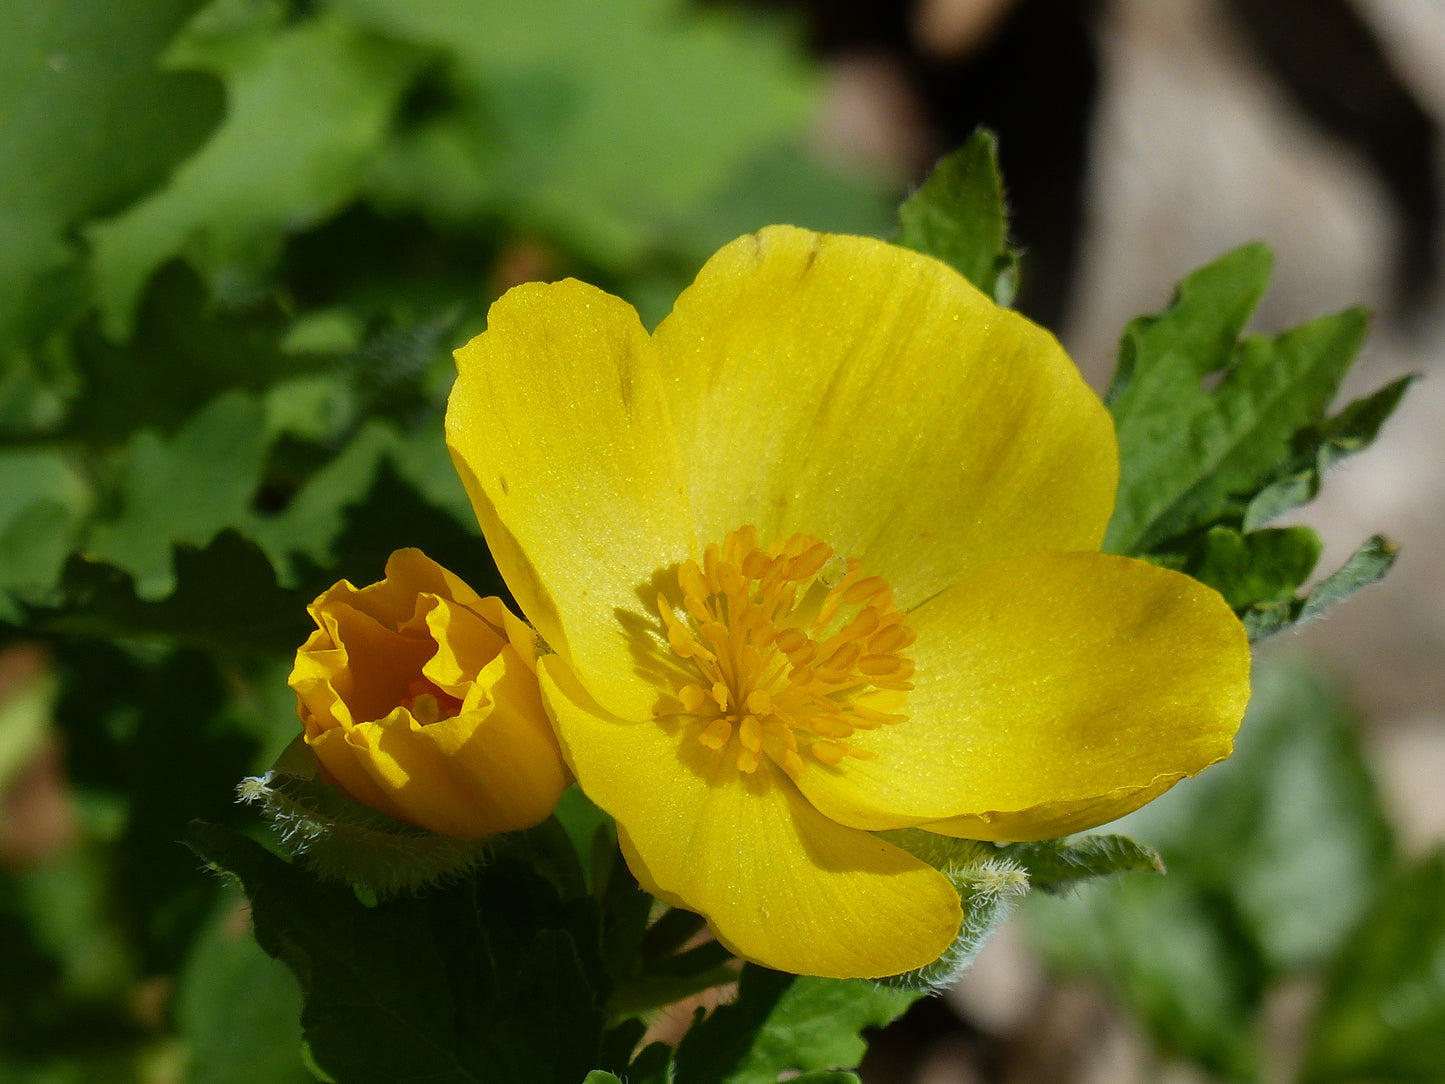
[(795, 650)]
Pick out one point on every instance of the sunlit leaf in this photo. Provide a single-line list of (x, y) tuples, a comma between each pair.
[(958, 216)]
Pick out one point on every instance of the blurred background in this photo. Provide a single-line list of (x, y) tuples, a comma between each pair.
[(238, 240)]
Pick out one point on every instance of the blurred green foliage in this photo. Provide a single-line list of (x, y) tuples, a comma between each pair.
[(237, 243)]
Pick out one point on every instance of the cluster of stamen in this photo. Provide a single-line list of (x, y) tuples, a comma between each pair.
[(796, 649)]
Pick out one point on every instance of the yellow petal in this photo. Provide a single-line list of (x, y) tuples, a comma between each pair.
[(497, 769), (1054, 692), (464, 645), (778, 883), (392, 661), (871, 397), (559, 429)]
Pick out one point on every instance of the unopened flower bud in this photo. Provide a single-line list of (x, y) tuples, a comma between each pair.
[(420, 699)]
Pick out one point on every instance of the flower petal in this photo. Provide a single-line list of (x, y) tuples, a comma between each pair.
[(873, 398), (496, 769), (778, 882), (559, 429), (1054, 692)]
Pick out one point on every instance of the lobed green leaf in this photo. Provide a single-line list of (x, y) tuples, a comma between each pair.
[(90, 124), (1189, 456), (308, 105)]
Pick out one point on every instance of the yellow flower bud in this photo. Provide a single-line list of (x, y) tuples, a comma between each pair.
[(420, 699)]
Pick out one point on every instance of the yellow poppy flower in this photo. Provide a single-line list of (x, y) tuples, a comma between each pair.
[(816, 559), (420, 699)]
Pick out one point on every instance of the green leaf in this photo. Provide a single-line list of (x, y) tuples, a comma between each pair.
[(45, 499), (715, 1047), (491, 979), (186, 489), (1366, 566), (26, 708), (237, 1009), (1058, 865), (1258, 568), (1382, 1015), (315, 517), (90, 124), (989, 883), (599, 148), (183, 355), (781, 1027), (1291, 827), (1167, 952), (958, 216), (1190, 456), (1319, 447), (230, 577), (308, 104), (817, 1024)]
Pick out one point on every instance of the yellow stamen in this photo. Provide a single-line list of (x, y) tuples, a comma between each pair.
[(796, 651)]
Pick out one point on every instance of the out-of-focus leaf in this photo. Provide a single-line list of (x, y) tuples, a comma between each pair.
[(958, 216), (148, 738), (1168, 952), (1291, 827), (1382, 1016), (600, 148), (183, 490), (183, 355), (26, 704), (1190, 456), (316, 516), (487, 980), (308, 104), (44, 500), (237, 1009), (1058, 865), (230, 577), (90, 123)]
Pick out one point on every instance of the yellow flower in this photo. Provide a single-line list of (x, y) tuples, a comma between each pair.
[(420, 700), (818, 558)]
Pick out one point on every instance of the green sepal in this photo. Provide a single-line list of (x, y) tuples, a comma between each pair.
[(988, 881), (341, 840), (1057, 865), (958, 216)]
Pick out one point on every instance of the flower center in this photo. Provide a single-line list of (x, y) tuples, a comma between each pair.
[(795, 648)]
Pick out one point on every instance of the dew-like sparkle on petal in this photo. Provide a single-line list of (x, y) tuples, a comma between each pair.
[(795, 650)]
